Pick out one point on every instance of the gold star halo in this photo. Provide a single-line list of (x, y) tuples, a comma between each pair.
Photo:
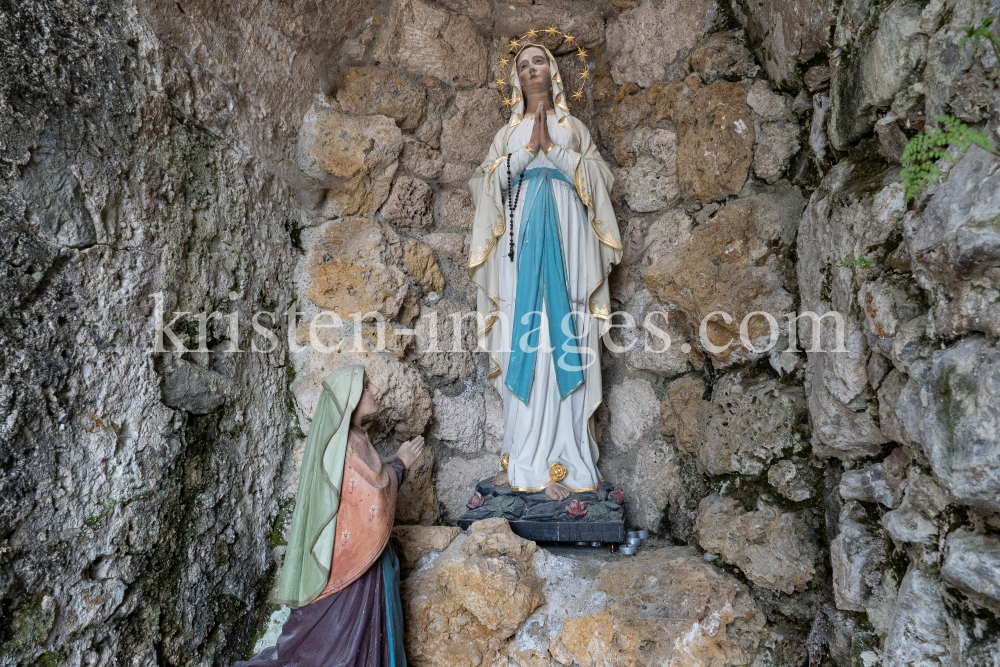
[(515, 44)]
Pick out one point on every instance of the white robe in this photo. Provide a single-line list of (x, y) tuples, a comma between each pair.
[(548, 429)]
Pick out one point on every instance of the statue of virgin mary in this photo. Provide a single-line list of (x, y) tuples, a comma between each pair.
[(544, 239)]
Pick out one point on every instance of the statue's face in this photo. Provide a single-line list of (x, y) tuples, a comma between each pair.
[(368, 404), (533, 72)]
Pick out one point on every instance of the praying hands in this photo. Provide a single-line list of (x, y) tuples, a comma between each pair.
[(540, 132)]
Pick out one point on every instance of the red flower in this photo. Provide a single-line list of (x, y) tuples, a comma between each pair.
[(475, 501), (618, 496), (576, 508)]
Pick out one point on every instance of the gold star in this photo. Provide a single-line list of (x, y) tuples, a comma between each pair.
[(552, 31), (500, 82), (503, 62), (580, 52), (513, 44), (585, 74), (532, 33), (569, 38), (578, 94), (506, 102)]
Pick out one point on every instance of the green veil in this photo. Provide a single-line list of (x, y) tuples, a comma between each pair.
[(306, 568)]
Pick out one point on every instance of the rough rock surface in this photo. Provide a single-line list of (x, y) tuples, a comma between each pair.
[(353, 156), (595, 609), (949, 406), (410, 40), (463, 607), (749, 424), (729, 265), (775, 549), (645, 39), (857, 556), (199, 159), (919, 632), (355, 267), (793, 478), (716, 134), (410, 204), (973, 565)]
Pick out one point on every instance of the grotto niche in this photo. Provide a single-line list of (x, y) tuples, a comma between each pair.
[(210, 207)]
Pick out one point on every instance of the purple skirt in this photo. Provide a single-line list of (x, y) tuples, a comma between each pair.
[(346, 629)]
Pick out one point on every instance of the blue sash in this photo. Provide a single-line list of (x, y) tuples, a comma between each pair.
[(541, 274), (393, 605)]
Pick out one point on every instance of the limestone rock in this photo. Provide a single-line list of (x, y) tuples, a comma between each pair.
[(419, 159), (627, 113), (916, 518), (641, 248), (788, 32), (634, 411), (776, 144), (775, 549), (652, 183), (710, 618), (414, 542), (750, 423), (857, 556), (654, 484), (373, 90), (354, 267), (439, 350), (456, 208), (353, 156), (456, 481), (870, 75), (793, 478), (467, 135), (644, 40), (459, 421), (919, 632), (417, 499), (716, 134), (721, 56), (513, 19), (410, 204), (768, 104), (683, 412), (955, 247), (729, 265), (418, 258), (973, 566), (411, 39), (479, 11), (452, 250), (950, 407), (189, 387), (840, 399), (462, 608), (879, 482), (891, 306), (655, 341)]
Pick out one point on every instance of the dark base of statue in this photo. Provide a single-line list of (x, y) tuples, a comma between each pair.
[(591, 516)]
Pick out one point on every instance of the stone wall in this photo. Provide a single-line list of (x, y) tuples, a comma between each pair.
[(809, 507)]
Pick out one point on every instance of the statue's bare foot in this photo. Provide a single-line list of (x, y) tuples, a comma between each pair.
[(500, 479), (556, 491)]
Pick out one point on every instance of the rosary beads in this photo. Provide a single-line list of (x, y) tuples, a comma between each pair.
[(512, 206)]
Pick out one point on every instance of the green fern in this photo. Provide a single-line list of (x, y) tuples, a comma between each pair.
[(923, 150), (982, 32), (851, 262)]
